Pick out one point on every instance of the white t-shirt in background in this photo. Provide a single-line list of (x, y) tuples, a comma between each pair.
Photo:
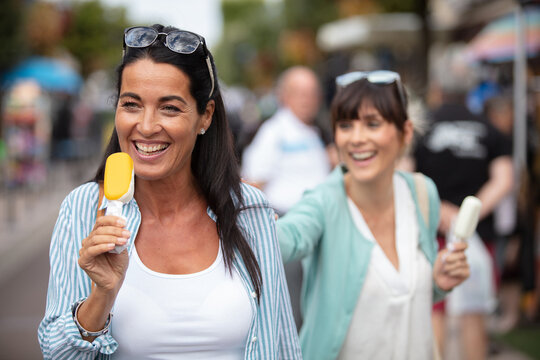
[(288, 156)]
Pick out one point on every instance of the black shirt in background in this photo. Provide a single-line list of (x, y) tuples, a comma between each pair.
[(456, 153)]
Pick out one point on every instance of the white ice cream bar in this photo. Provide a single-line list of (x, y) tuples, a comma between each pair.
[(467, 218)]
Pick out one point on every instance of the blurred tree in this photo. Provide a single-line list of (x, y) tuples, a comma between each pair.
[(94, 35), (13, 44), (400, 5), (43, 26), (11, 36), (261, 38), (309, 14), (246, 53)]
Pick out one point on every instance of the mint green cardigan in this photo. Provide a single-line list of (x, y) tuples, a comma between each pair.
[(319, 229)]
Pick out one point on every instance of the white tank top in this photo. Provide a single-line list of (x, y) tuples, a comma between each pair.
[(204, 315)]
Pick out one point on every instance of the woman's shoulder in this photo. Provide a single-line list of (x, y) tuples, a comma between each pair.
[(83, 193), (252, 196)]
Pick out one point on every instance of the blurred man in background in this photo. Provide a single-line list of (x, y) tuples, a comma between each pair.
[(287, 155)]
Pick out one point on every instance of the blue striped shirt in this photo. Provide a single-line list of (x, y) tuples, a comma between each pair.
[(272, 334)]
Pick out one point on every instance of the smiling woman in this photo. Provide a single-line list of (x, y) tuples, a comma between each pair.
[(157, 120), (362, 235), (204, 279)]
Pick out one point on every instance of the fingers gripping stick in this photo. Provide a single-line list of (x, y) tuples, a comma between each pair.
[(118, 186)]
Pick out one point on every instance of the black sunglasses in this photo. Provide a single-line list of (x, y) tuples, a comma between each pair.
[(380, 77), (179, 41)]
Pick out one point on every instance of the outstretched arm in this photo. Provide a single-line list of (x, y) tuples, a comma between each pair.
[(300, 229), (500, 183)]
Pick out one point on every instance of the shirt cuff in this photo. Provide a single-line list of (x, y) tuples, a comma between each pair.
[(104, 344)]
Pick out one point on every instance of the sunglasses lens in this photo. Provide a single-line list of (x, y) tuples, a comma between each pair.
[(349, 78), (140, 37), (383, 77), (183, 42)]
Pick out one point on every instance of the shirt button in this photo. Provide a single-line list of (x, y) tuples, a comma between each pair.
[(253, 294), (253, 339), (108, 348)]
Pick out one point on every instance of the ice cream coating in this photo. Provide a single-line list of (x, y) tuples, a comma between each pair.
[(467, 219), (118, 182)]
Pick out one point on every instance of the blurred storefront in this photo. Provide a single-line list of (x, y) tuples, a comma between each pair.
[(33, 91), (26, 129)]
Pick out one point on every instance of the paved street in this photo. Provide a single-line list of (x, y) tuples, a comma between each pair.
[(26, 224), (22, 303)]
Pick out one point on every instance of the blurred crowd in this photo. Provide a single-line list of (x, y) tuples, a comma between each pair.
[(284, 145)]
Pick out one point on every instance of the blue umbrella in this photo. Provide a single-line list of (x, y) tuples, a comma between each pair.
[(50, 74)]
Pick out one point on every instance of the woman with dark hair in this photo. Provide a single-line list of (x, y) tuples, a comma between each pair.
[(367, 235), (201, 276)]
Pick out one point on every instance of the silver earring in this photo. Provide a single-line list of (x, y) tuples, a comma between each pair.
[(202, 132)]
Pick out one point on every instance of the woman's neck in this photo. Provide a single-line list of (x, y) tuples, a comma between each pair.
[(166, 198), (371, 198)]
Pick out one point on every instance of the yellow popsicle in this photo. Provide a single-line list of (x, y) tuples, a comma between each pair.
[(118, 182), (119, 186)]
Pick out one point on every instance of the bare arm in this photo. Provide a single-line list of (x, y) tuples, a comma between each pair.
[(500, 183)]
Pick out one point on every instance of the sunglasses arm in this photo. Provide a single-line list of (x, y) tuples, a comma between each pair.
[(211, 74)]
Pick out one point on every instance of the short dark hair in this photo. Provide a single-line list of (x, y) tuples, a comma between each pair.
[(213, 163), (384, 97)]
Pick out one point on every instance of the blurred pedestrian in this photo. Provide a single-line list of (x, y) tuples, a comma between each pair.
[(61, 142), (498, 110), (287, 155), (464, 155), (367, 235), (201, 277)]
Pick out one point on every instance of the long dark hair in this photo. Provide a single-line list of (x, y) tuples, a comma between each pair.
[(214, 164)]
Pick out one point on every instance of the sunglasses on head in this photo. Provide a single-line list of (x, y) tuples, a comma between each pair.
[(379, 77), (179, 41)]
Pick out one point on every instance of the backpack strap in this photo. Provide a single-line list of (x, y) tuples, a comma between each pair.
[(422, 194)]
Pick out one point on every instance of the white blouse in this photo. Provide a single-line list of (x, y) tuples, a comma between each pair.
[(204, 315), (392, 318)]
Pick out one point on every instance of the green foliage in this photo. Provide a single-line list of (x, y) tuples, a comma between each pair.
[(238, 11), (311, 14), (251, 29), (13, 45), (415, 6), (95, 35), (523, 339)]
